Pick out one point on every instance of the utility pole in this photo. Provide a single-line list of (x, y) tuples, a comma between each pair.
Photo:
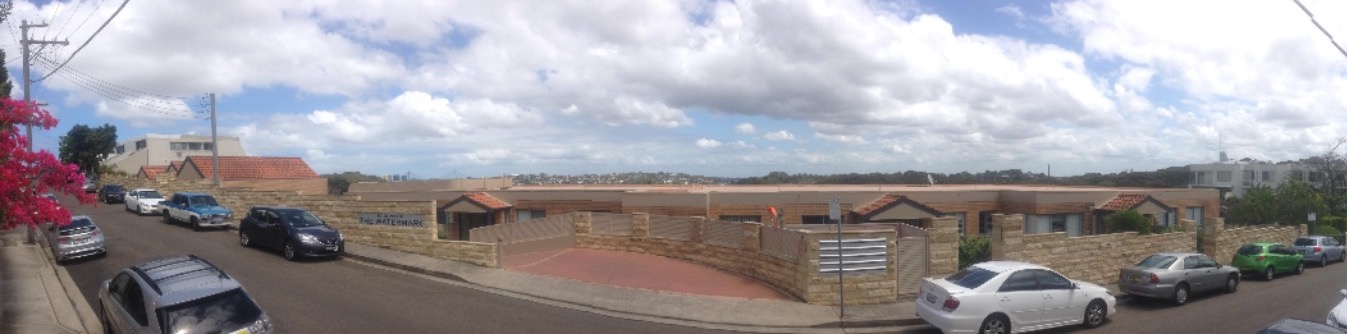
[(214, 145), (27, 62)]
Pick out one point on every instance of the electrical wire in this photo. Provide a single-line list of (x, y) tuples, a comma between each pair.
[(164, 107), (71, 17), (128, 91), (86, 42), (1321, 28), (86, 19)]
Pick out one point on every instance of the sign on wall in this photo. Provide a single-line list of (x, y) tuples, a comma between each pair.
[(393, 219)]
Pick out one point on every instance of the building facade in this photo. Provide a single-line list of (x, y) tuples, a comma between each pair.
[(129, 156), (1235, 178)]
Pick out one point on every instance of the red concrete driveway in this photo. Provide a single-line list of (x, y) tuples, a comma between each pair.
[(640, 271)]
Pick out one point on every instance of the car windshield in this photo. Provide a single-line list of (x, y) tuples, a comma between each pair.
[(204, 201), (78, 223), (1157, 262), (149, 194), (300, 218), (1305, 242), (971, 278), (113, 188), (1250, 250), (222, 313)]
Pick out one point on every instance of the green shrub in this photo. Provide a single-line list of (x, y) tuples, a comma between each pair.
[(1337, 222), (1127, 221), (1329, 230), (973, 249)]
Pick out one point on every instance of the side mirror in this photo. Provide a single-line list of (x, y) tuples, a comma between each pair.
[(1076, 286)]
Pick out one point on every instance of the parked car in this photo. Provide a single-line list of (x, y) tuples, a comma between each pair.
[(183, 294), (80, 238), (90, 186), (1319, 249), (1299, 326), (1175, 276), (1267, 259), (294, 231), (1011, 297), (143, 201), (198, 209), (51, 197), (110, 193), (1337, 317)]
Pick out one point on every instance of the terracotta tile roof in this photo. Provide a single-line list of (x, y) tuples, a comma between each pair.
[(253, 168), (486, 201), (152, 171), (889, 201), (174, 166), (1124, 202)]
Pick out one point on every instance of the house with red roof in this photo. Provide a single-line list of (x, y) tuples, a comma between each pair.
[(262, 173), (151, 172)]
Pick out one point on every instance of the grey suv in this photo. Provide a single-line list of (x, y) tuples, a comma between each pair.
[(1319, 249), (183, 294)]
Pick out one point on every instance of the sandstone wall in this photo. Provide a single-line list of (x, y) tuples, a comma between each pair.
[(1220, 243), (1094, 258)]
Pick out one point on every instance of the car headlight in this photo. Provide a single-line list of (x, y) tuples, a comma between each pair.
[(341, 237), (262, 325), (309, 239)]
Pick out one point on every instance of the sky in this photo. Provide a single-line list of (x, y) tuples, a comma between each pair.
[(447, 88)]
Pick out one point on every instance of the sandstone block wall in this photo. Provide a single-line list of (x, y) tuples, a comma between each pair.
[(1220, 242), (864, 289), (1094, 258)]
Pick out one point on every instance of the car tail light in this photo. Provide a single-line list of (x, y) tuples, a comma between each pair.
[(63, 240), (1262, 257), (1155, 279), (951, 304), (1318, 249)]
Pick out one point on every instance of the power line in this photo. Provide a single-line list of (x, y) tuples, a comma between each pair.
[(138, 101), (71, 17), (86, 18), (128, 91), (86, 42), (1321, 28)]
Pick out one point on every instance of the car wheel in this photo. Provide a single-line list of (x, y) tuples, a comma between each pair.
[(196, 225), (1269, 273), (289, 251), (995, 324), (1095, 313), (1300, 268), (243, 240), (1180, 294), (167, 218), (1323, 260), (1232, 283)]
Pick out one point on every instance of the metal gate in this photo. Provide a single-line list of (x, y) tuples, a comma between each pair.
[(914, 261), (543, 234)]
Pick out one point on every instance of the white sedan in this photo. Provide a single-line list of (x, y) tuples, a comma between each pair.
[(1011, 297), (143, 200)]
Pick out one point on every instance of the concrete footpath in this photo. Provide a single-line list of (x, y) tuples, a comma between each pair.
[(753, 315), (37, 296)]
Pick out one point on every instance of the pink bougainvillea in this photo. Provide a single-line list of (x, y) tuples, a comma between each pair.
[(27, 175)]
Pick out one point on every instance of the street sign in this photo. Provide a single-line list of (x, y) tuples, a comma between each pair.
[(1312, 216), (835, 209)]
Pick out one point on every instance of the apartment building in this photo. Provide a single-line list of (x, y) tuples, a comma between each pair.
[(1235, 178), (153, 150)]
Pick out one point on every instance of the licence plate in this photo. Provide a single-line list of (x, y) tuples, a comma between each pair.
[(332, 248), (1136, 279), (930, 298)]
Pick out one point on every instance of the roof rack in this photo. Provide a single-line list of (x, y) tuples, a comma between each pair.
[(154, 283)]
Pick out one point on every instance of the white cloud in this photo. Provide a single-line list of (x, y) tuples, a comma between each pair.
[(708, 143), (745, 128), (779, 135)]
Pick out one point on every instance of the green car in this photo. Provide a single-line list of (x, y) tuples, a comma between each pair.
[(1267, 259)]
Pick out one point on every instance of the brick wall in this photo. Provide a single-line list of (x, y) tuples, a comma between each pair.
[(1220, 243), (1093, 258), (342, 212), (561, 207)]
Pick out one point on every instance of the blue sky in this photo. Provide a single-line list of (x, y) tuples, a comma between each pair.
[(473, 88)]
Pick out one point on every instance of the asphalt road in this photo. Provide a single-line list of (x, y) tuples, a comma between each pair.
[(333, 296), (1256, 305)]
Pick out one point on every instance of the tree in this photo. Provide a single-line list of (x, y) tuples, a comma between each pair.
[(1127, 221), (1295, 200), (338, 184), (1331, 167), (1257, 207), (25, 175), (85, 146)]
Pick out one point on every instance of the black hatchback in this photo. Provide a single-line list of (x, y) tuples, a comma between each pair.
[(112, 193), (294, 231)]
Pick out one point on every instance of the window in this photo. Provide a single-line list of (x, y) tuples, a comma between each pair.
[(1048, 280), (133, 300), (1190, 262), (1267, 176), (1298, 175), (526, 215), (1248, 175), (194, 146), (742, 219), (1157, 262), (140, 144), (814, 219), (960, 217), (1069, 223), (985, 222), (1022, 280), (1200, 178), (208, 146), (231, 309), (971, 277), (1250, 250), (1306, 242), (117, 284), (177, 146), (1195, 214), (1223, 176), (121, 149)]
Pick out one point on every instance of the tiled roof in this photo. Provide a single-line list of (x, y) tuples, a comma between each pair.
[(252, 168), (176, 166), (890, 200), (1124, 202), (152, 171), (486, 201)]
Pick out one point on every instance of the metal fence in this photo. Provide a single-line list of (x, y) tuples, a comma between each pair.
[(781, 243), (853, 256), (611, 224), (551, 233), (673, 228), (723, 233)]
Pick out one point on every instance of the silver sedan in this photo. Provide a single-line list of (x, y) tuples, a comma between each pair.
[(1176, 276)]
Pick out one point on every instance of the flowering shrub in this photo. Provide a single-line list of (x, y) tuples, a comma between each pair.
[(24, 175)]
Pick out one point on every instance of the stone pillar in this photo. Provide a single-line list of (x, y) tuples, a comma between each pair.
[(942, 246), (751, 238), (698, 229), (584, 222), (1187, 225), (640, 225), (1211, 239), (1007, 236), (1302, 230)]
